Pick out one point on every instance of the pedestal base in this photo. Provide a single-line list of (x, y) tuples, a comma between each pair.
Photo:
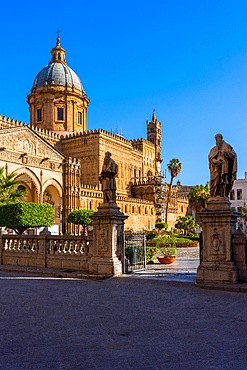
[(217, 272), (105, 266), (108, 241), (218, 224)]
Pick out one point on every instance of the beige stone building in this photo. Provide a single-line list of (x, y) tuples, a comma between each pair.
[(58, 160)]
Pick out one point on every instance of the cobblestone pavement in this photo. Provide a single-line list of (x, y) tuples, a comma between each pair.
[(119, 324), (183, 269)]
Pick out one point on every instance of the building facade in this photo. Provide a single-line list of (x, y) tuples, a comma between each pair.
[(238, 194), (58, 160)]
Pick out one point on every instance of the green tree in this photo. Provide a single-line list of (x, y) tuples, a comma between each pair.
[(198, 197), (19, 216), (175, 167), (161, 225), (186, 223), (10, 189), (81, 217)]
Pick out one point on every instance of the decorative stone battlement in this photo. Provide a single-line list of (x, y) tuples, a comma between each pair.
[(134, 200), (6, 122), (9, 122), (142, 140), (95, 131)]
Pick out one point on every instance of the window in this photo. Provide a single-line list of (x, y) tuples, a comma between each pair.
[(60, 114), (232, 195), (39, 115), (239, 194), (240, 209), (79, 118)]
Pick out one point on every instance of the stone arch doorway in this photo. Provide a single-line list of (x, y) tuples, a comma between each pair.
[(52, 194), (29, 181)]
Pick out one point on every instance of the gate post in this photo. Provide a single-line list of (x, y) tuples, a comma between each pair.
[(218, 223), (108, 241)]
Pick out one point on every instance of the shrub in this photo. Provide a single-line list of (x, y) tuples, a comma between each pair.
[(20, 216), (161, 225), (168, 249), (151, 251), (151, 234)]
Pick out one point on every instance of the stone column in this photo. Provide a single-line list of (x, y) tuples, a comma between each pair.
[(108, 240), (218, 224)]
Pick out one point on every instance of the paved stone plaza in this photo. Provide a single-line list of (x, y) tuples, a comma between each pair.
[(119, 323)]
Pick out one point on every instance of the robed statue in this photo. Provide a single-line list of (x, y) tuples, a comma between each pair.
[(107, 179), (223, 167)]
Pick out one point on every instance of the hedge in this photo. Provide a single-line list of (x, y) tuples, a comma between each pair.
[(178, 244)]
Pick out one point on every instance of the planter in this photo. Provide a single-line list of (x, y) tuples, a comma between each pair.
[(166, 260)]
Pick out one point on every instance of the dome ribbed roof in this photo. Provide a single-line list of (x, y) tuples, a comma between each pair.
[(57, 72)]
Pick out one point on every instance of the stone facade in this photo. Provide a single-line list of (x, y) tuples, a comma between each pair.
[(58, 160), (238, 194)]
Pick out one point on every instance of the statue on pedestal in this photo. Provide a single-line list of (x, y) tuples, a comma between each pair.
[(107, 179), (223, 167)]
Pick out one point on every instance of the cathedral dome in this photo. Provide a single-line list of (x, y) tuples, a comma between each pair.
[(57, 72)]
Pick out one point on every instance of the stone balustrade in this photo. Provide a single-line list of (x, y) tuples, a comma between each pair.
[(46, 251)]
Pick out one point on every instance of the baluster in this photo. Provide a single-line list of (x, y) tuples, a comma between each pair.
[(82, 247), (76, 247), (29, 245), (71, 246), (48, 246), (34, 248), (59, 246), (13, 245), (53, 248), (6, 244), (18, 245)]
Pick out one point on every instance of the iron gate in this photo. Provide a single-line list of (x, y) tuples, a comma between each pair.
[(135, 252)]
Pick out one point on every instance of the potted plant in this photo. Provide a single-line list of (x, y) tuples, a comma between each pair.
[(168, 253)]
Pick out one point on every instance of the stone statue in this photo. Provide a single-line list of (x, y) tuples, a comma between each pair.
[(107, 179), (223, 168)]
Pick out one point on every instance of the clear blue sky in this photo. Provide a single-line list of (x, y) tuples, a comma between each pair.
[(187, 59)]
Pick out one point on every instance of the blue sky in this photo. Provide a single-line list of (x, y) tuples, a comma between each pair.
[(187, 59)]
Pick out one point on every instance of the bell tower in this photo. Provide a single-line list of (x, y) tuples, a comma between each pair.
[(154, 134), (58, 101)]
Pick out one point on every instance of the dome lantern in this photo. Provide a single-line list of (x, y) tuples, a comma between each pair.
[(58, 53)]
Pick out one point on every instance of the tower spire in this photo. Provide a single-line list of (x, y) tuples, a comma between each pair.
[(154, 134), (154, 118)]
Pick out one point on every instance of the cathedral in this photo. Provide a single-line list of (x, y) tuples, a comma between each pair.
[(58, 160)]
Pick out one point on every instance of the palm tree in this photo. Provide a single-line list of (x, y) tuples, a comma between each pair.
[(198, 197), (10, 189), (186, 223), (175, 167)]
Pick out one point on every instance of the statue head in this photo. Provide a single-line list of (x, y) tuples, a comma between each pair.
[(219, 139), (107, 154)]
